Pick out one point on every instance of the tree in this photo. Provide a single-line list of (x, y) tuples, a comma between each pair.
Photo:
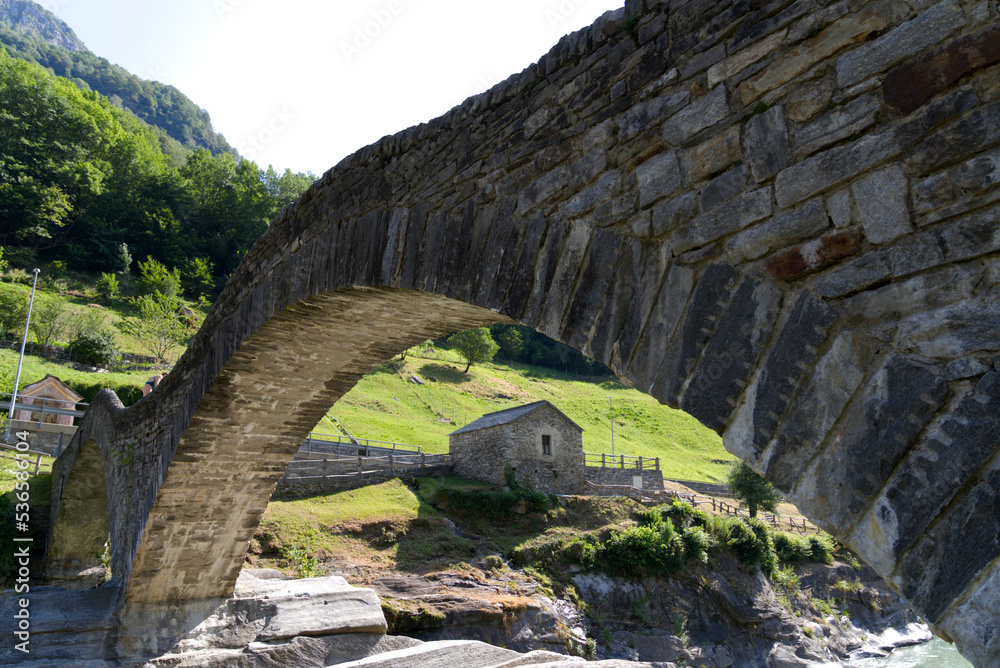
[(48, 320), (157, 328), (475, 345), (156, 279), (752, 490)]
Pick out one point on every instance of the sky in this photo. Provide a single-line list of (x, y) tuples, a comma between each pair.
[(301, 84)]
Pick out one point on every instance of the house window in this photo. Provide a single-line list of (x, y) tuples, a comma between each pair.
[(546, 445)]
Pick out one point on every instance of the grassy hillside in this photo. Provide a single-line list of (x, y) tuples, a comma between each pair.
[(386, 406)]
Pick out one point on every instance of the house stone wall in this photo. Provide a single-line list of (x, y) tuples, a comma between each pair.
[(483, 454)]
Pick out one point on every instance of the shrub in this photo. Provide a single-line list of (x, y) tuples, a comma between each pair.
[(791, 548), (750, 541), (18, 275), (683, 514), (643, 550), (821, 549), (697, 543), (96, 348), (107, 287), (155, 279)]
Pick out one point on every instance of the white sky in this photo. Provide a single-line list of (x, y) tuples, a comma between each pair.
[(294, 77)]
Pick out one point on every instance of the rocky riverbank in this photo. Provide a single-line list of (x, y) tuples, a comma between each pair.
[(717, 615)]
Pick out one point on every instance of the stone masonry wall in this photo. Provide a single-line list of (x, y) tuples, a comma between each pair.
[(483, 454), (779, 215), (620, 476)]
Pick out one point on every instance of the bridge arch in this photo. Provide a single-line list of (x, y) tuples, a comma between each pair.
[(784, 224)]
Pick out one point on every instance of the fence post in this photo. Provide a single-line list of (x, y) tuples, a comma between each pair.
[(392, 465), (359, 464), (326, 467), (657, 463), (623, 462), (423, 460)]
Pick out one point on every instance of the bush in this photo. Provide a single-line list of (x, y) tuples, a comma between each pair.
[(107, 287), (683, 514), (791, 548), (821, 549), (96, 348), (155, 279), (128, 393), (643, 550), (750, 541), (697, 543)]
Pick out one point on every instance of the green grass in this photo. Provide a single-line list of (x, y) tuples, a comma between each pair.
[(35, 368), (385, 406)]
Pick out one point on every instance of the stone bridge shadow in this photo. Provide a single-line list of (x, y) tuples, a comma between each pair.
[(781, 219)]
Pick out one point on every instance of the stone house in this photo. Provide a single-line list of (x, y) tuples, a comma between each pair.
[(57, 394), (543, 445)]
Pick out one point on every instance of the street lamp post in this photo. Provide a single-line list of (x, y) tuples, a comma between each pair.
[(20, 360), (611, 404)]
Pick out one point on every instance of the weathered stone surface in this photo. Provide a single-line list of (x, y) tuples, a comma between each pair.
[(740, 60), (843, 33), (959, 140), (973, 622), (729, 359), (700, 114), (877, 432), (801, 260), (787, 364), (723, 187), (928, 479), (805, 222), (854, 276), (545, 187), (833, 166), (881, 200), (595, 279), (768, 150), (913, 84), (610, 184), (809, 99), (839, 123), (647, 115), (675, 212), (838, 206), (953, 331), (925, 292), (931, 578), (724, 219), (713, 155), (558, 289), (658, 178), (837, 377), (967, 367), (686, 336), (900, 43)]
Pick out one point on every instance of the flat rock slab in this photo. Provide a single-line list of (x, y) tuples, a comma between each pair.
[(312, 607)]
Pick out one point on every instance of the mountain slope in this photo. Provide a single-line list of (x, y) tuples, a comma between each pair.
[(32, 33), (29, 18)]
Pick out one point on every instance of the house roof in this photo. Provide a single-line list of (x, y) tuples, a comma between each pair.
[(52, 384), (509, 415)]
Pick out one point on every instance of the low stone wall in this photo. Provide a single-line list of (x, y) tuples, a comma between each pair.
[(301, 486), (610, 476)]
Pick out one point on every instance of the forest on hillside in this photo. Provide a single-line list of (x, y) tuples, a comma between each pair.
[(40, 37), (86, 183)]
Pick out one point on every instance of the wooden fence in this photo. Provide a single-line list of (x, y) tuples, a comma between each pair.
[(606, 461), (5, 449), (330, 444), (341, 466), (798, 524)]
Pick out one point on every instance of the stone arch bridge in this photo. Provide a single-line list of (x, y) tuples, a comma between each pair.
[(781, 216)]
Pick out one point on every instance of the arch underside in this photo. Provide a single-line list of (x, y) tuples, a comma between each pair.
[(255, 416)]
